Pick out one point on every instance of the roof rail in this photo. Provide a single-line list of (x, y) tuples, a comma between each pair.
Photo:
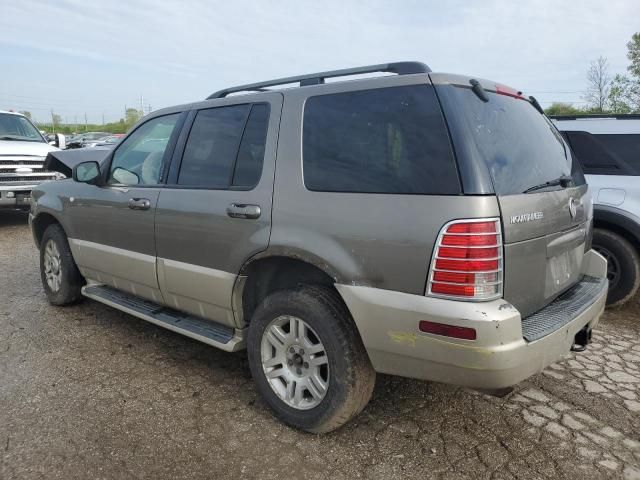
[(400, 68)]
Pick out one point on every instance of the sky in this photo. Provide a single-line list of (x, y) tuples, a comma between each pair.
[(82, 57)]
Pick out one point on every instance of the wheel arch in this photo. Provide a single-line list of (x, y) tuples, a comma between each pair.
[(618, 221), (265, 274), (40, 223)]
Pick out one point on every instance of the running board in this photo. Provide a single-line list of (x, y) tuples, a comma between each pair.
[(214, 334)]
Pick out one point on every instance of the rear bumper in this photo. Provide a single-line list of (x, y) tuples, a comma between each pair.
[(499, 357), (15, 196)]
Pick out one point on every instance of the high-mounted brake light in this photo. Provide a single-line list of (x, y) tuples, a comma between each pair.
[(467, 261), (509, 92)]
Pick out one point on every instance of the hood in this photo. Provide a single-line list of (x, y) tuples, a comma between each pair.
[(63, 161), (13, 147)]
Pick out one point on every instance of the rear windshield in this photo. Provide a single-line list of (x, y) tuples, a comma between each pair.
[(521, 147)]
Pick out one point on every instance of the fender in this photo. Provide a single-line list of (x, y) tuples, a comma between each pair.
[(620, 218)]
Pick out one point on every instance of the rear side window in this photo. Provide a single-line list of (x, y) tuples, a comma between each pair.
[(225, 147), (387, 140), (606, 154)]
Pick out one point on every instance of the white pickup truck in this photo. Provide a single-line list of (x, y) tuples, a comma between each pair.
[(22, 153)]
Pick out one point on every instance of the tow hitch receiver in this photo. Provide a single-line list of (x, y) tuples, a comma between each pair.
[(582, 339)]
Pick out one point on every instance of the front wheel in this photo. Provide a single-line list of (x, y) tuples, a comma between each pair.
[(61, 278), (623, 265), (308, 360)]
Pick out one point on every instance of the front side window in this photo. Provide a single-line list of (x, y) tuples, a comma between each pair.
[(386, 140), (139, 159), (225, 147)]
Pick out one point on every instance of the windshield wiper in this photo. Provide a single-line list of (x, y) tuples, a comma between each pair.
[(564, 181)]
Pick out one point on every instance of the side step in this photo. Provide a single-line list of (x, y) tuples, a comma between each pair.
[(214, 334)]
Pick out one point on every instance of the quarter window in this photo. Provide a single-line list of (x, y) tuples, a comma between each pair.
[(139, 159), (387, 140)]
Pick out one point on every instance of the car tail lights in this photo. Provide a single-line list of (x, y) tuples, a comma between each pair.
[(467, 261)]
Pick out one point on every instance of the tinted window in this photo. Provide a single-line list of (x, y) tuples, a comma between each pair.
[(211, 149), (139, 158), (388, 140), (521, 147), (251, 154), (606, 154)]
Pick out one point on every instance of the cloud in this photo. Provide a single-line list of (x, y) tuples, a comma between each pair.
[(176, 52)]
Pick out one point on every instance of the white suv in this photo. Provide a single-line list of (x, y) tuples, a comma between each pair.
[(608, 147), (22, 153)]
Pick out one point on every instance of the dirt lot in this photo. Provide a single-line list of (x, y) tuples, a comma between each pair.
[(88, 392)]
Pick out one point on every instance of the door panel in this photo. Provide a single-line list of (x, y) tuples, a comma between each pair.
[(113, 224), (204, 234), (114, 244)]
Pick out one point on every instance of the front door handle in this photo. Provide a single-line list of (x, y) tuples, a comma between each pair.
[(139, 203), (242, 210)]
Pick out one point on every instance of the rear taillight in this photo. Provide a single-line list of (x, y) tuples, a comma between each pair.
[(467, 261)]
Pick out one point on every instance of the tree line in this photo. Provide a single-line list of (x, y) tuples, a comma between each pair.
[(619, 94), (132, 115)]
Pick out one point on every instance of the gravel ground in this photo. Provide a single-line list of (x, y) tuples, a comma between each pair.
[(88, 392)]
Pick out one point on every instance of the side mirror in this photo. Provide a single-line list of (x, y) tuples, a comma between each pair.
[(86, 172), (61, 141), (57, 140)]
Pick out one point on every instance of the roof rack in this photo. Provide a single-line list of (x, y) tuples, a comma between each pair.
[(399, 68)]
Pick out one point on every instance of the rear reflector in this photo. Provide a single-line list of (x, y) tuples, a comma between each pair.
[(467, 261), (445, 330)]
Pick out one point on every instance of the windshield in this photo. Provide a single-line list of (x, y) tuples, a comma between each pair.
[(521, 147), (17, 127)]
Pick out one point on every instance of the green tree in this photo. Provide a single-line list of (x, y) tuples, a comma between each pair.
[(132, 115), (633, 54), (26, 114), (621, 95), (558, 108)]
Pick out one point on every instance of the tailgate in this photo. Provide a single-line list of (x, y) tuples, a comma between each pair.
[(544, 200), (545, 236)]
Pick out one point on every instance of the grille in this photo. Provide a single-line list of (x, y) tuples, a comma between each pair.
[(21, 162), (563, 309), (25, 179), (9, 176), (35, 168)]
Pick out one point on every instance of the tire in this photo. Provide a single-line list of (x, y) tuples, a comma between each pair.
[(623, 265), (351, 377), (65, 289)]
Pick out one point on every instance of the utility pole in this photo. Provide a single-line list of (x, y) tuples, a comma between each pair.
[(141, 104), (53, 123), (102, 118), (85, 122)]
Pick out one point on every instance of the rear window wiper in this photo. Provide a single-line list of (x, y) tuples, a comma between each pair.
[(564, 181)]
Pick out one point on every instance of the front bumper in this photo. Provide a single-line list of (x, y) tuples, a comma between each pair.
[(15, 196), (499, 357)]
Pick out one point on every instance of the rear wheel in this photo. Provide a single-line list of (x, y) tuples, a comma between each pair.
[(623, 265), (307, 359), (61, 278)]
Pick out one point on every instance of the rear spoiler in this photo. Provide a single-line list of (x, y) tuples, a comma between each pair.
[(63, 161)]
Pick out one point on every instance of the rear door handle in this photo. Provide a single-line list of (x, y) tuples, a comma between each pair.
[(242, 210), (139, 203)]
